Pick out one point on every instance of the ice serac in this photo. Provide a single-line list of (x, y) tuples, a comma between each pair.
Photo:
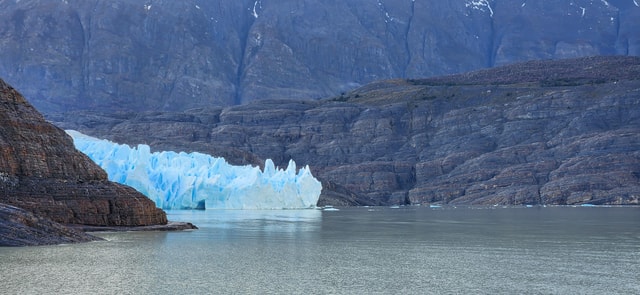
[(195, 180)]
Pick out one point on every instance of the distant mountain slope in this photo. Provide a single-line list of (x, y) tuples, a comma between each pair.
[(594, 70), (548, 132), (176, 55)]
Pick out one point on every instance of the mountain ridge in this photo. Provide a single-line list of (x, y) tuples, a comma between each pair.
[(430, 141), (129, 55)]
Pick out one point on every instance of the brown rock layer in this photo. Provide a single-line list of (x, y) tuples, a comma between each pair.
[(41, 171)]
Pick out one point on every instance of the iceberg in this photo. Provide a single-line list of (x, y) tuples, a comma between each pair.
[(199, 181)]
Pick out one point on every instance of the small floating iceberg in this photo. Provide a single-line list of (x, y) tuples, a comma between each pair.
[(330, 208)]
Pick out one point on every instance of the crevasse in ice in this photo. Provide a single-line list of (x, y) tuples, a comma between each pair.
[(194, 180)]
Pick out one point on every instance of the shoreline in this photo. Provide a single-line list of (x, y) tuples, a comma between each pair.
[(170, 226)]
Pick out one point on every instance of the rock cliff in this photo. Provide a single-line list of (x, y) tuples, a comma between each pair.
[(42, 172), (166, 55), (547, 132)]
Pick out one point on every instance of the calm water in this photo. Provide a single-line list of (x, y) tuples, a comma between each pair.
[(410, 250)]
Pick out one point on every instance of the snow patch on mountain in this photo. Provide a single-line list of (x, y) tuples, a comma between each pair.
[(256, 6), (387, 17), (482, 5)]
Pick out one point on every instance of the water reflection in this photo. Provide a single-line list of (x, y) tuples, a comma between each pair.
[(251, 223), (405, 250)]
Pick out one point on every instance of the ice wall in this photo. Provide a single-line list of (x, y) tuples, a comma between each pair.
[(194, 180)]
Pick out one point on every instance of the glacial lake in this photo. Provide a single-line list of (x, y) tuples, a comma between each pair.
[(377, 250)]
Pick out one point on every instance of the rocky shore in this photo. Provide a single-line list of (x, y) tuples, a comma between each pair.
[(170, 226), (19, 227)]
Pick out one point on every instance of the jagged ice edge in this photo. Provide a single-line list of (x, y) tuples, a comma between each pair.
[(196, 181)]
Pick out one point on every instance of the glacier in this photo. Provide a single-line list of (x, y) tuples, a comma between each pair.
[(199, 181)]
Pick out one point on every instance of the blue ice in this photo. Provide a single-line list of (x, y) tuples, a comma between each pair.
[(195, 180)]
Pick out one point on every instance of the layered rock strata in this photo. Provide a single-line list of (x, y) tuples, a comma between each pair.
[(42, 172), (548, 132)]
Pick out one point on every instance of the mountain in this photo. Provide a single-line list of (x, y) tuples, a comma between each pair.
[(559, 132), (43, 173), (165, 55)]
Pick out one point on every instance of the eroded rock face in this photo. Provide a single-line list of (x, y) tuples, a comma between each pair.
[(554, 132), (23, 228), (177, 55), (41, 171)]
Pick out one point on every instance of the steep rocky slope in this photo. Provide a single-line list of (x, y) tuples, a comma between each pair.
[(546, 132), (166, 55), (42, 172)]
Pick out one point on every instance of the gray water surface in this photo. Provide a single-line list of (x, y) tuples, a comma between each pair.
[(408, 250)]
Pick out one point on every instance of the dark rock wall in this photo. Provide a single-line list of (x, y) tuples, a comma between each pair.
[(176, 55), (41, 171), (564, 132)]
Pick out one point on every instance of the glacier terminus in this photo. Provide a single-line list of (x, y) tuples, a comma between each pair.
[(199, 181)]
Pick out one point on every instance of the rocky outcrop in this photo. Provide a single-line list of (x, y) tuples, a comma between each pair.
[(162, 55), (23, 228), (548, 132), (42, 172)]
